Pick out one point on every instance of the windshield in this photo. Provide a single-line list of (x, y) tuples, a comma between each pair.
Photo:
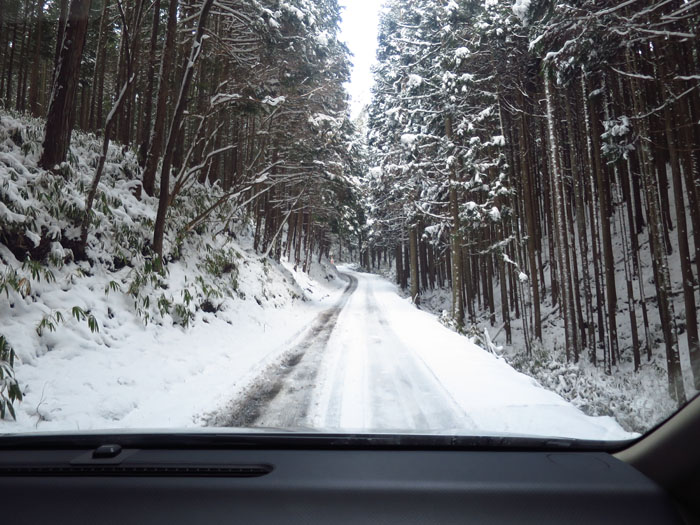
[(426, 217)]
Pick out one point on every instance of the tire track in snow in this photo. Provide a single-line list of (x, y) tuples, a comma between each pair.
[(281, 395)]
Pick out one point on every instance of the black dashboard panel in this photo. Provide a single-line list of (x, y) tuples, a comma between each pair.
[(326, 486)]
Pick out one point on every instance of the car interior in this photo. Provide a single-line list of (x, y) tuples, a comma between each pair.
[(270, 478)]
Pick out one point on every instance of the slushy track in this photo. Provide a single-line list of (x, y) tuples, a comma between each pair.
[(350, 372), (281, 395)]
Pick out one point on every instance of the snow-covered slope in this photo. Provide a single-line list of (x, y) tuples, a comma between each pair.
[(109, 342), (160, 375)]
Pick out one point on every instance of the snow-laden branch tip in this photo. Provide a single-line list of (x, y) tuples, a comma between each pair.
[(408, 139), (520, 9), (224, 98), (274, 102)]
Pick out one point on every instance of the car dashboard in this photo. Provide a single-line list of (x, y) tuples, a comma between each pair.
[(115, 485)]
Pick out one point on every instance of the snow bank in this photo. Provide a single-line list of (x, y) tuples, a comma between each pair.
[(160, 375)]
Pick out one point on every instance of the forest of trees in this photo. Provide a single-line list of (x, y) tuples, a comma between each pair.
[(244, 97), (544, 156), (540, 159)]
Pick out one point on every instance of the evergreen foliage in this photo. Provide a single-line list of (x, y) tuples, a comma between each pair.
[(544, 155)]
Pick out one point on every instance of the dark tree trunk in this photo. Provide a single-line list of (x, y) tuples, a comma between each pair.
[(61, 27), (605, 213), (10, 64), (35, 88), (530, 218), (413, 263), (683, 247), (455, 242), (97, 79), (61, 106), (158, 129), (22, 73), (150, 86)]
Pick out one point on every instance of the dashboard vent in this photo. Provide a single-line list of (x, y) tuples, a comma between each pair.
[(228, 471)]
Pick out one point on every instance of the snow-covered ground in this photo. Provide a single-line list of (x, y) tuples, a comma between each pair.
[(385, 366), (637, 400), (157, 376)]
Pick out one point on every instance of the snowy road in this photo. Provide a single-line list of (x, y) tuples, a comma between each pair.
[(373, 362), (350, 372), (373, 381)]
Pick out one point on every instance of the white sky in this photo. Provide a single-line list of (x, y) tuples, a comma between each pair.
[(359, 31)]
